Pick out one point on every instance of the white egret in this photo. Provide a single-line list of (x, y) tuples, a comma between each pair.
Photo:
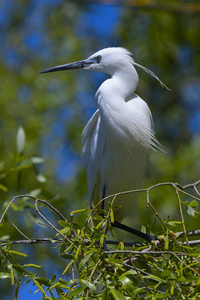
[(118, 137)]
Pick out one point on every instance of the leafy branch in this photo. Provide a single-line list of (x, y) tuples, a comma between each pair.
[(166, 268)]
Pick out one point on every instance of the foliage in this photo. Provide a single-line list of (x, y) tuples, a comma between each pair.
[(168, 268)]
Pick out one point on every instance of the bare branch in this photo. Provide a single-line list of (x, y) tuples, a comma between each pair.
[(87, 242), (21, 232), (49, 223), (147, 190), (182, 217), (41, 215), (146, 251), (31, 241), (39, 200)]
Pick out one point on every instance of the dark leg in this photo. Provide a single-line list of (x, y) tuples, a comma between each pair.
[(103, 196), (136, 232), (102, 207), (116, 224)]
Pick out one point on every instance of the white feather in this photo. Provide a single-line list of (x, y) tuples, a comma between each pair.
[(118, 137)]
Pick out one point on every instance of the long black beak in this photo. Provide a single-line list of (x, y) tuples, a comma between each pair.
[(75, 65)]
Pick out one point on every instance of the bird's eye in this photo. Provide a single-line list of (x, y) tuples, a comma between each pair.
[(98, 58)]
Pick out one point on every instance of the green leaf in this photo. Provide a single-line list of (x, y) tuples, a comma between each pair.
[(5, 237), (4, 275), (197, 251), (53, 278), (40, 177), (67, 256), (161, 295), (65, 230), (105, 294), (130, 272), (27, 281), (190, 211), (77, 252), (67, 267), (76, 225), (89, 284), (3, 188), (38, 285), (17, 288), (37, 160), (153, 277), (126, 282), (77, 211), (75, 292), (20, 140), (17, 253), (85, 259), (117, 295), (32, 266), (174, 223), (102, 239), (63, 223), (165, 273), (138, 291), (12, 275), (111, 215), (194, 204), (44, 281), (143, 229), (35, 192), (20, 269)]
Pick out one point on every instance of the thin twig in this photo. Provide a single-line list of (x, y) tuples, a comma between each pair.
[(41, 215), (172, 184), (142, 280), (90, 278), (143, 252), (53, 209), (108, 242), (31, 241), (39, 200), (182, 218), (7, 207), (21, 232), (139, 270), (50, 224)]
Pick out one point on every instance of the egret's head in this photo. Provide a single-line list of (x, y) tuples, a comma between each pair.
[(110, 60), (107, 60)]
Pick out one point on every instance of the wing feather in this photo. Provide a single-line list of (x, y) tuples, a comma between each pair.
[(88, 135), (91, 157)]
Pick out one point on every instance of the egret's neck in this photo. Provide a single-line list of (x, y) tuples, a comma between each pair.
[(126, 80), (122, 84)]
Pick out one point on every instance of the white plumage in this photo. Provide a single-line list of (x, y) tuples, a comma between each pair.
[(118, 137)]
